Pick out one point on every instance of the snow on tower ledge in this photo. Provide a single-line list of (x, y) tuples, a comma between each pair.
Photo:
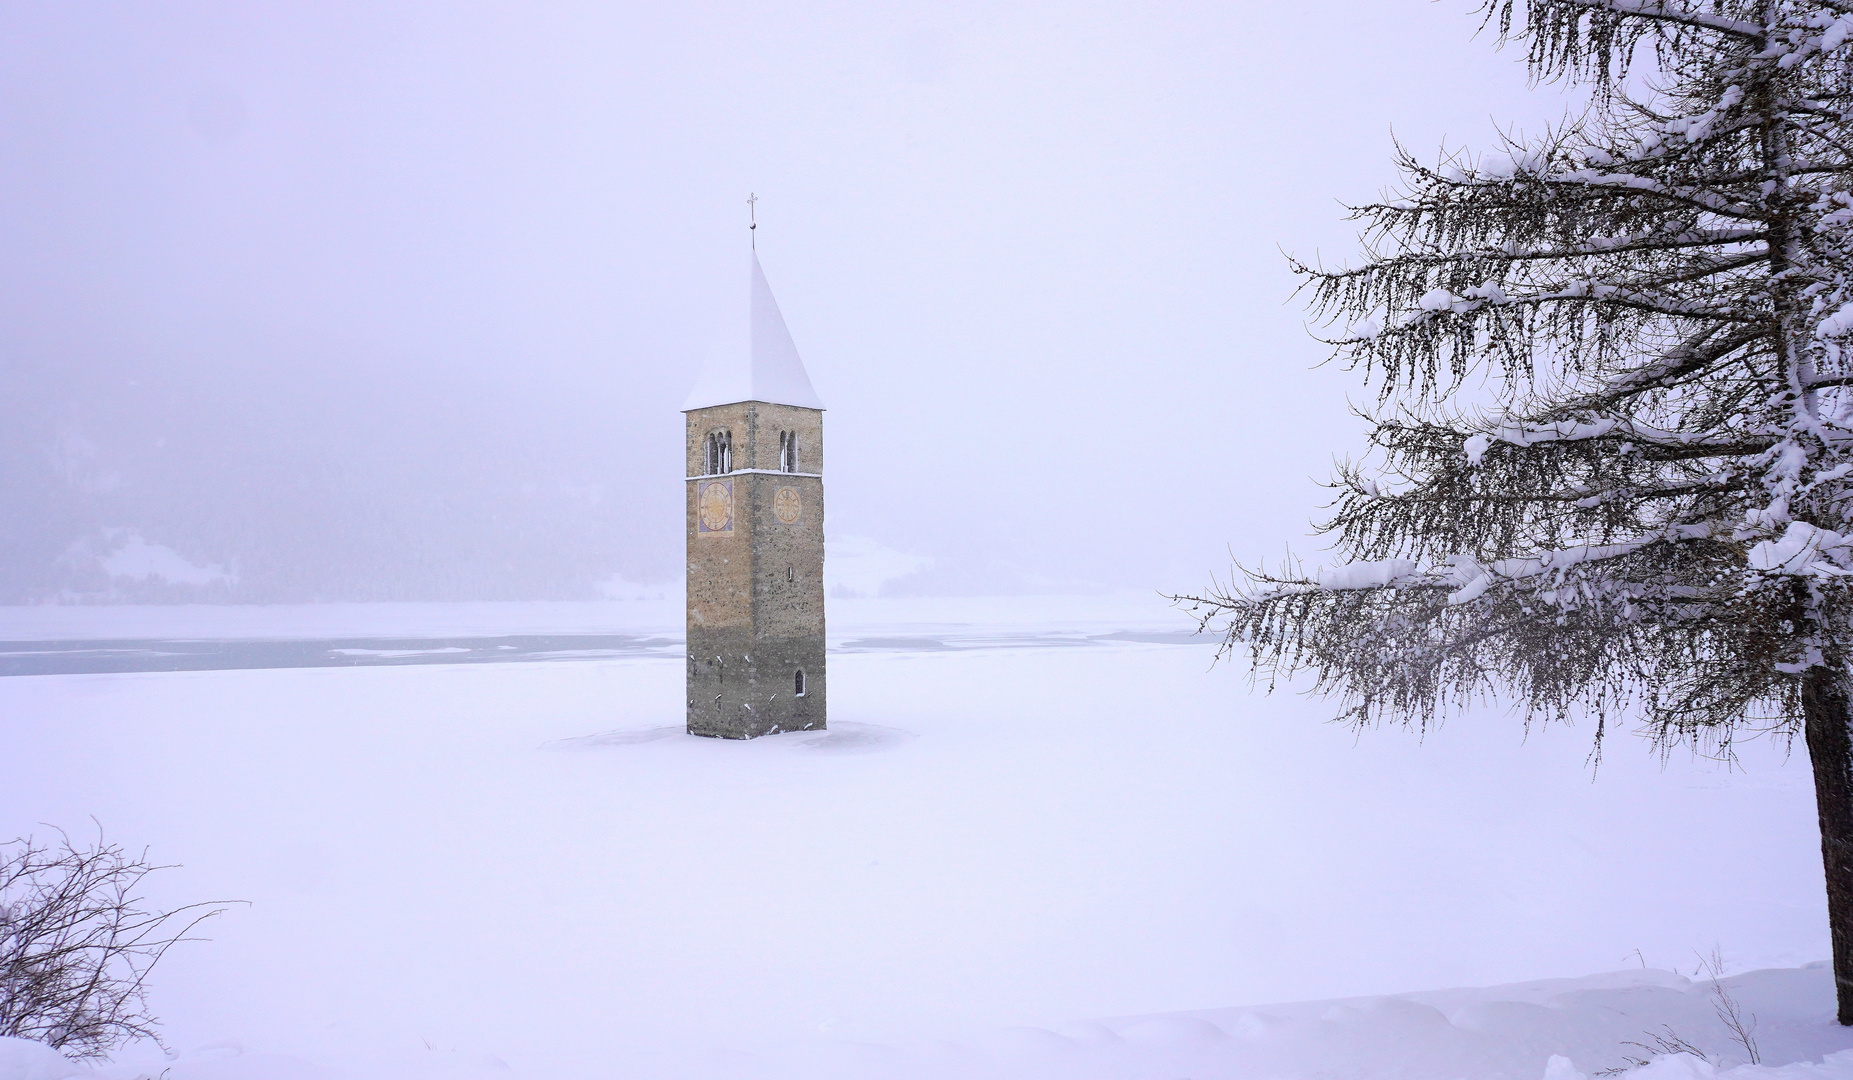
[(754, 358)]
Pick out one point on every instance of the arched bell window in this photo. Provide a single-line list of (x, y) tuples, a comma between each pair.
[(718, 457), (788, 451)]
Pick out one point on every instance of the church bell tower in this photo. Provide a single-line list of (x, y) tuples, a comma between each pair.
[(755, 462)]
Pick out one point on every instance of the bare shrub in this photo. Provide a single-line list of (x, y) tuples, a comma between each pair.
[(1742, 1026), (1663, 1043), (77, 943), (1730, 1013)]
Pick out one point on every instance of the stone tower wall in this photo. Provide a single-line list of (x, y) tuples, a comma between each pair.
[(755, 426), (756, 591)]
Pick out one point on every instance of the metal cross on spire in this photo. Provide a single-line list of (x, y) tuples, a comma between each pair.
[(752, 216)]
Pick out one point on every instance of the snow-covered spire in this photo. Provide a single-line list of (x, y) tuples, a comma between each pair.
[(754, 358)]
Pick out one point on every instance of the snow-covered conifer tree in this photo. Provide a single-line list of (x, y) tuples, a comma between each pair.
[(1653, 517)]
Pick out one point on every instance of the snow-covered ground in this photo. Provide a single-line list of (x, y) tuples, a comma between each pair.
[(1026, 820), (1527, 1030)]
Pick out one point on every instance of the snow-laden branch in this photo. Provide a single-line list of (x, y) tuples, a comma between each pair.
[(1661, 11), (1464, 577), (1386, 573), (1637, 184), (1440, 302), (1681, 240), (1803, 550), (1613, 429)]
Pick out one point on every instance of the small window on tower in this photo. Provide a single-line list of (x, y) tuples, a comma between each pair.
[(719, 456), (797, 684), (788, 451)]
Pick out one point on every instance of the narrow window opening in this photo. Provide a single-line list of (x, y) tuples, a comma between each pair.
[(797, 684), (788, 451), (790, 574), (719, 453)]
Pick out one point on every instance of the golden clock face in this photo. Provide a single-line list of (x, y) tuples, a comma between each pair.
[(787, 506), (714, 507)]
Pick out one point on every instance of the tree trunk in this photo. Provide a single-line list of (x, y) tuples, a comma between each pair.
[(1828, 728)]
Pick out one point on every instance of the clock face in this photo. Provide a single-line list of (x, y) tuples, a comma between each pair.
[(714, 507), (787, 506)]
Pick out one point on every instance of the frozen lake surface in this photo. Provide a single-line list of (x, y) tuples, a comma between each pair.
[(186, 638), (1023, 816), (105, 655)]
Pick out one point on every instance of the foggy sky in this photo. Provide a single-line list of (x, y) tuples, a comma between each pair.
[(393, 301)]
